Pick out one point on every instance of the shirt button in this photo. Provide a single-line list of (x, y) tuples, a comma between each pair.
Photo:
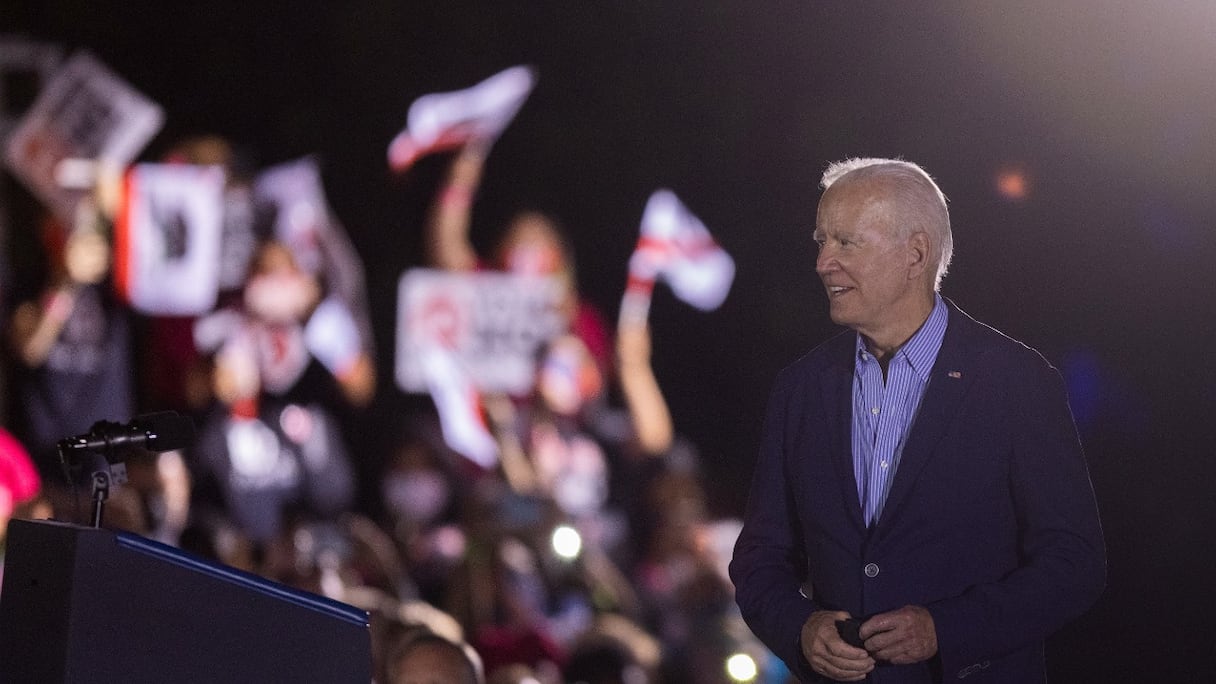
[(871, 570), (875, 410), (884, 465)]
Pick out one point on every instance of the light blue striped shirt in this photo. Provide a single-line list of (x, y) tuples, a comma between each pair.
[(883, 412)]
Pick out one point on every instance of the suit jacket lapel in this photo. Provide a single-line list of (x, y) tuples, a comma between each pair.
[(948, 382), (838, 403)]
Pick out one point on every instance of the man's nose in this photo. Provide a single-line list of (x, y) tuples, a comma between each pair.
[(825, 261)]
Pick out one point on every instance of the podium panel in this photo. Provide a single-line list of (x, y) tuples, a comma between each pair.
[(85, 605)]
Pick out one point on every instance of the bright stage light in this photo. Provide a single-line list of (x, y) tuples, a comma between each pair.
[(741, 668), (566, 542)]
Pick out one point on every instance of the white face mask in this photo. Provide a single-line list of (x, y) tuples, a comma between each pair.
[(280, 298), (416, 496), (533, 260)]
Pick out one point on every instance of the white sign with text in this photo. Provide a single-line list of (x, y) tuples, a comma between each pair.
[(492, 323)]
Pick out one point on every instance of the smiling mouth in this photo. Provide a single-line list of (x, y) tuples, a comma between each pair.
[(838, 290)]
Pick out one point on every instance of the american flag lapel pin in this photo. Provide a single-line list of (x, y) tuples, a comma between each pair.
[(955, 374)]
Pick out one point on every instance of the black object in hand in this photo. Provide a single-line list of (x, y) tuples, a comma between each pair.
[(850, 631)]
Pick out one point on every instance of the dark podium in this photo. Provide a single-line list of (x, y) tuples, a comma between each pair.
[(81, 604)]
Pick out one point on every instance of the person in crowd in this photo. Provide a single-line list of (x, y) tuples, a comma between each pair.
[(421, 656), (173, 373), (613, 650), (259, 460), (422, 499), (921, 509), (532, 244), (685, 599), (72, 343), (291, 323)]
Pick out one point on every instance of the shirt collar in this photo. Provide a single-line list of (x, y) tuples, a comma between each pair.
[(920, 351)]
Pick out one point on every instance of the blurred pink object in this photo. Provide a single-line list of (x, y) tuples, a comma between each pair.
[(441, 121), (19, 481)]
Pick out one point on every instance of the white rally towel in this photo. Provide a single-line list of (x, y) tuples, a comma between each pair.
[(440, 121), (459, 405), (675, 246), (167, 238), (332, 336)]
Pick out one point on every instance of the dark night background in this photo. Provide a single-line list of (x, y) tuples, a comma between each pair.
[(1106, 266)]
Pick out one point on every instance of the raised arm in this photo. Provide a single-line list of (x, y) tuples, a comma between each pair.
[(643, 397), (36, 325), (447, 238)]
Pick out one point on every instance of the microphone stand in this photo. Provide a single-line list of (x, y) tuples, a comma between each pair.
[(101, 492), (102, 476), (106, 444)]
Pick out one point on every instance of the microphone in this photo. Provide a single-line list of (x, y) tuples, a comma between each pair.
[(163, 431)]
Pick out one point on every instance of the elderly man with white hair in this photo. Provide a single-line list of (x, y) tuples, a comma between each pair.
[(921, 510)]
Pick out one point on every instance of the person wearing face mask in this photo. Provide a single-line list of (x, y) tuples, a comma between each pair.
[(271, 444), (570, 463), (292, 323), (420, 504), (258, 459)]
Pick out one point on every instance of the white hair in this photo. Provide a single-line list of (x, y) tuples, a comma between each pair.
[(920, 200)]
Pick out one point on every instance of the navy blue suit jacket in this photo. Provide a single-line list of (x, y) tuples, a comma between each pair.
[(990, 523)]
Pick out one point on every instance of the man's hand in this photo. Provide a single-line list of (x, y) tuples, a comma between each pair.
[(828, 654), (900, 637)]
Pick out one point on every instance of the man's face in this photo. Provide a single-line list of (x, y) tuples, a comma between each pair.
[(863, 263)]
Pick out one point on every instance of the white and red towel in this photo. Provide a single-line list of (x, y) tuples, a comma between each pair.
[(459, 405), (441, 121), (675, 246)]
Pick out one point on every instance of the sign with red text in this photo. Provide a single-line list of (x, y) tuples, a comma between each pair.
[(491, 323)]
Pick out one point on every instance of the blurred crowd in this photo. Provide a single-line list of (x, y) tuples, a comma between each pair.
[(584, 552)]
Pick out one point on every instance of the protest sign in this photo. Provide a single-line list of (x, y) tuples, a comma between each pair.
[(167, 238), (492, 323), (85, 112), (293, 192)]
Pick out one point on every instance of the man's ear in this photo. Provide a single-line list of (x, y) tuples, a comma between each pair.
[(919, 249)]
